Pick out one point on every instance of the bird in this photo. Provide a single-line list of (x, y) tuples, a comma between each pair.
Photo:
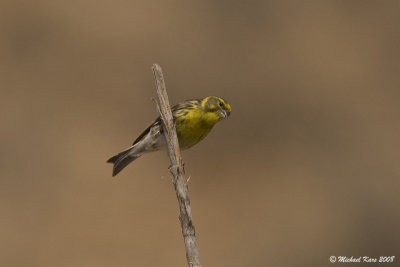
[(193, 119)]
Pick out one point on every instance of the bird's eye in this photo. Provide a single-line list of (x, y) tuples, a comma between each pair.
[(221, 104)]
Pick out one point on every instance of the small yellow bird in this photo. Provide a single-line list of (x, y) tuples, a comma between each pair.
[(193, 119)]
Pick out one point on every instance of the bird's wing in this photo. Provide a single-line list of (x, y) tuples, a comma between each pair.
[(182, 109), (177, 110), (145, 132)]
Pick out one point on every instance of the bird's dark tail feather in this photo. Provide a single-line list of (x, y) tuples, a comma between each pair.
[(121, 160)]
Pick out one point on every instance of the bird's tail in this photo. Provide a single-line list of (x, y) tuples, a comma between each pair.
[(122, 159)]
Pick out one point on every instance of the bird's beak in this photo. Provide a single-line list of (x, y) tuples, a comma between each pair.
[(224, 113)]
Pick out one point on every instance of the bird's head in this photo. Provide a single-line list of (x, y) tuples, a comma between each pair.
[(216, 105)]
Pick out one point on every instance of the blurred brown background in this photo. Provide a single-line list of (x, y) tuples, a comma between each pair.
[(306, 167)]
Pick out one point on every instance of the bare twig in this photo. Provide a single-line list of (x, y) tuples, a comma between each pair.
[(177, 170)]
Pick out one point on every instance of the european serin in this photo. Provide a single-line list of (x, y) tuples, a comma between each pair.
[(193, 119)]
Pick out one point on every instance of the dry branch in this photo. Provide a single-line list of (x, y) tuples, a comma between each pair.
[(177, 170)]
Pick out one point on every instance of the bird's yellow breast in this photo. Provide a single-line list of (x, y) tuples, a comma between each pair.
[(193, 126)]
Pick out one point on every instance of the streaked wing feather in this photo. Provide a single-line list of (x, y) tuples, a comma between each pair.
[(145, 132), (177, 110), (182, 108)]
